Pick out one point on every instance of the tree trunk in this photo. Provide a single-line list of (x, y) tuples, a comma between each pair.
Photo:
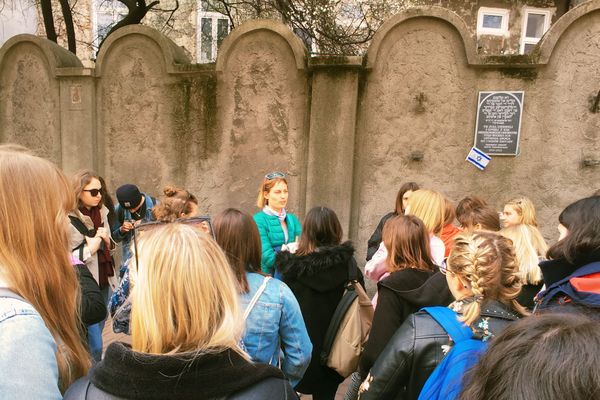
[(68, 17), (48, 19)]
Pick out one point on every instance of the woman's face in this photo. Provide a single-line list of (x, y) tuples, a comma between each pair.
[(277, 197), (405, 198), (562, 232), (510, 217), (85, 197)]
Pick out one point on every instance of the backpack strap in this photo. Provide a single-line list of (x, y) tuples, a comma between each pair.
[(80, 226), (448, 319), (260, 291), (352, 270)]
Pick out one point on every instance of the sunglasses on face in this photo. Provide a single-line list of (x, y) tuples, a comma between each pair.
[(93, 192), (274, 175), (203, 223)]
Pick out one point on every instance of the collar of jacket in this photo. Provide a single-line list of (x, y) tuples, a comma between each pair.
[(135, 375), (556, 270), (496, 309), (323, 259)]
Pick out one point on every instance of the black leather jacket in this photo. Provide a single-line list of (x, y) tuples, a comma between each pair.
[(415, 350)]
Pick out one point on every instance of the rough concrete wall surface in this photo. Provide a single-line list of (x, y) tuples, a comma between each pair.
[(262, 109), (29, 97), (137, 139)]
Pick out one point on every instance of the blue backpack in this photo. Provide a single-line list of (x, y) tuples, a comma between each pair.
[(445, 383)]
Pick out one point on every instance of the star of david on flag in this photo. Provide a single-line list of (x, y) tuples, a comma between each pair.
[(478, 158)]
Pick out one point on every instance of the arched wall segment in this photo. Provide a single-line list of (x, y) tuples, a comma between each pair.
[(139, 108), (252, 27), (558, 29), (262, 99), (172, 54), (423, 12), (30, 107)]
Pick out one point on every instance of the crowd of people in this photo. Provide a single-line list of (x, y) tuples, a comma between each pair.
[(238, 306)]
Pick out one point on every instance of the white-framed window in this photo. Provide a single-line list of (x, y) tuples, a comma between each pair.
[(536, 22), (492, 21), (105, 14), (212, 28)]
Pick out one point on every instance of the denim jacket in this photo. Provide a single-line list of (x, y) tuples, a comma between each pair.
[(276, 321), (27, 360)]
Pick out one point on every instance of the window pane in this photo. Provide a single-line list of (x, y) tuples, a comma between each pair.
[(206, 40), (535, 25), (528, 48), (222, 30), (492, 21)]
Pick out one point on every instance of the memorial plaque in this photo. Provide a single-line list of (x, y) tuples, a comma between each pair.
[(499, 122)]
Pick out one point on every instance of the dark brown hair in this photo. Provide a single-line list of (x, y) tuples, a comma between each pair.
[(485, 216), (449, 212), (407, 241), (237, 234), (469, 203), (582, 220), (408, 186), (321, 227), (548, 356)]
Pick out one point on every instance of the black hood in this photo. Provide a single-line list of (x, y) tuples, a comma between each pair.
[(322, 270), (556, 270), (433, 289)]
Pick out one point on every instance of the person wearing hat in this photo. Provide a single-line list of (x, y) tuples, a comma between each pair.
[(134, 208)]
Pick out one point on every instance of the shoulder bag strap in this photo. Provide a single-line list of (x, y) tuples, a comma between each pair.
[(260, 290), (352, 270), (448, 319)]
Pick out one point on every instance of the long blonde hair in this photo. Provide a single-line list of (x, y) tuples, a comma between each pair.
[(185, 295), (525, 209), (429, 206), (529, 246), (35, 197), (488, 263)]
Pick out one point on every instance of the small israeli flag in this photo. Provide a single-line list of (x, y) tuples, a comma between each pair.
[(478, 158)]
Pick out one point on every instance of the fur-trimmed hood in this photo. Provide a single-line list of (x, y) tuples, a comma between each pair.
[(322, 270)]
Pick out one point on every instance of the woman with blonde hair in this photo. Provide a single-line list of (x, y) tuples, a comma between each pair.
[(42, 352), (530, 249), (482, 273), (186, 329), (90, 242), (279, 230), (519, 211)]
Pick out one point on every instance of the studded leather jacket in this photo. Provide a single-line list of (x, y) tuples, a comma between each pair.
[(418, 346)]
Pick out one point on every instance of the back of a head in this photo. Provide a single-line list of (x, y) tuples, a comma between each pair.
[(469, 203), (484, 218), (407, 242), (528, 249), (185, 295), (429, 206), (525, 209), (238, 236), (175, 203), (542, 357), (320, 227), (35, 197), (582, 219), (488, 263)]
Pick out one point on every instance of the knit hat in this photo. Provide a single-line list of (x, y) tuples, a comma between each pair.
[(129, 196)]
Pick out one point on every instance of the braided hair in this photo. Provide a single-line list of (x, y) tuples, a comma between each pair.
[(487, 262)]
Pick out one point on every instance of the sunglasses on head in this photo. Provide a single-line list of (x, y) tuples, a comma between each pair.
[(201, 222), (93, 192), (274, 175)]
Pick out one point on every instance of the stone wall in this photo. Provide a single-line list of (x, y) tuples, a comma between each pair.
[(347, 130)]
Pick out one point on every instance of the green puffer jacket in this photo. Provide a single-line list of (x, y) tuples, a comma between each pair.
[(272, 237)]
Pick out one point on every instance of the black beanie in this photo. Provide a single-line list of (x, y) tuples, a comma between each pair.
[(129, 196)]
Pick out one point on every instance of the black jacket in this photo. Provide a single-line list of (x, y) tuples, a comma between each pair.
[(125, 374), (92, 306), (317, 280), (416, 349), (375, 239), (402, 293)]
